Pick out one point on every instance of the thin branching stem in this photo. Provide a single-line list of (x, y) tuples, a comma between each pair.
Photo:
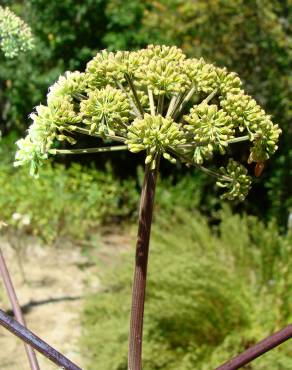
[(238, 139), (171, 105), (34, 341), (210, 96), (160, 104), (209, 172), (135, 94), (89, 150), (183, 103), (151, 102), (131, 101), (84, 131), (176, 105), (230, 141), (16, 309), (79, 96)]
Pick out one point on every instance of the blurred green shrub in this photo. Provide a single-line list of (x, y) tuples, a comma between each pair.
[(210, 295), (69, 202), (64, 202), (251, 38)]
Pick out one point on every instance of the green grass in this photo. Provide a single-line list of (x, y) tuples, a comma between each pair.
[(211, 293)]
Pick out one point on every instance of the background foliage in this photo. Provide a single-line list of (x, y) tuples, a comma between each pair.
[(237, 289), (209, 295), (252, 38), (64, 202)]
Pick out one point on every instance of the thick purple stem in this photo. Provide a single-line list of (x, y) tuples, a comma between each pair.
[(27, 336), (258, 349), (140, 274), (17, 310)]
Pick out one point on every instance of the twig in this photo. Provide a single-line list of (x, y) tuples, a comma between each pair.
[(140, 274), (258, 349), (179, 98), (17, 310), (27, 336)]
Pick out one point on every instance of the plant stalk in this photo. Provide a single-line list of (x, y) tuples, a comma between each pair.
[(89, 150), (185, 100), (258, 349), (17, 310), (135, 94), (84, 131), (140, 274), (151, 102), (27, 336)]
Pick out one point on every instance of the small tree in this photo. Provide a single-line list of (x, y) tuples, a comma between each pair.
[(158, 101)]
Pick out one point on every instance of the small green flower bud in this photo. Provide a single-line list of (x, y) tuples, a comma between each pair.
[(72, 85), (237, 182), (211, 128), (155, 134), (105, 111)]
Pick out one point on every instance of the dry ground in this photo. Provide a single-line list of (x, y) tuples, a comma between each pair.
[(58, 280)]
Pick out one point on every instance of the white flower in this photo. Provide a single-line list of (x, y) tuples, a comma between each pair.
[(16, 216), (25, 220)]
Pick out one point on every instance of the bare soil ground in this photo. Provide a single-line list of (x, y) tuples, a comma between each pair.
[(58, 280)]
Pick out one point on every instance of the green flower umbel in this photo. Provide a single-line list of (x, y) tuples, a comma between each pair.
[(210, 128), (235, 180), (106, 111), (158, 101), (156, 135)]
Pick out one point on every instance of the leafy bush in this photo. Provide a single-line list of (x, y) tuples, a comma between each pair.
[(71, 201), (210, 296), (65, 202)]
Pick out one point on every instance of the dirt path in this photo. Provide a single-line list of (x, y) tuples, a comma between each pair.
[(58, 280), (52, 301)]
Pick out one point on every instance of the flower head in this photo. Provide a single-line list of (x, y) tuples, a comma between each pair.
[(106, 110), (158, 101), (235, 180), (156, 135), (71, 85), (29, 153), (210, 128)]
